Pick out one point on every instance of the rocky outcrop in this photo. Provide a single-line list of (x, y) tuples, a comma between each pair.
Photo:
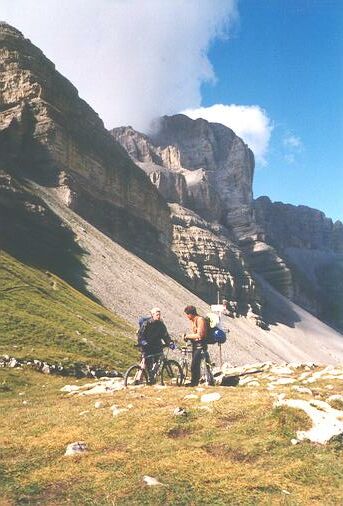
[(210, 260), (311, 244), (53, 136), (289, 226), (206, 168)]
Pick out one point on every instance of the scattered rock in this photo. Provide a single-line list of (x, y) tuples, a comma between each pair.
[(253, 384), (282, 381), (302, 390), (150, 481), (116, 410), (179, 412), (69, 388), (83, 413), (13, 363), (327, 421), (191, 396), (295, 441), (335, 398), (76, 448), (281, 369), (215, 396), (98, 405)]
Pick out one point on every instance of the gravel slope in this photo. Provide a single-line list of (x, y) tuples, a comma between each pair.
[(127, 285)]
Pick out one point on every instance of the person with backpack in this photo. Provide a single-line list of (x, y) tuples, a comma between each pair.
[(152, 336), (198, 337)]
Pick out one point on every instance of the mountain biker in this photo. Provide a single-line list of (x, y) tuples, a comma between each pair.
[(152, 336), (197, 337)]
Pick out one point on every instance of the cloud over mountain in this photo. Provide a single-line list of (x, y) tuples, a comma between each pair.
[(131, 60), (250, 122)]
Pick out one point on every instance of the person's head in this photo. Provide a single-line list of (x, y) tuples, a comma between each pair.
[(190, 312), (155, 313)]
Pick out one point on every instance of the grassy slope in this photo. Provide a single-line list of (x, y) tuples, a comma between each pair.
[(42, 317), (238, 453)]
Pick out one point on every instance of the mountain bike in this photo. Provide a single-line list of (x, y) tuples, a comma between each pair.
[(169, 371), (206, 373)]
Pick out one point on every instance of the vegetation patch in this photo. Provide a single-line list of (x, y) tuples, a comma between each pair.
[(44, 318), (197, 459)]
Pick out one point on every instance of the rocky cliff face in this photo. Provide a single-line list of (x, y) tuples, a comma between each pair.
[(205, 168), (211, 260), (48, 134), (312, 246), (52, 135)]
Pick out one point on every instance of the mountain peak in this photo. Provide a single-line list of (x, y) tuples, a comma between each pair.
[(7, 29)]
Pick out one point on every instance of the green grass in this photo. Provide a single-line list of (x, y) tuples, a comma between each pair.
[(42, 317), (238, 453)]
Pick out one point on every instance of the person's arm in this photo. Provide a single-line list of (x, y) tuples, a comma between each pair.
[(201, 330), (166, 337)]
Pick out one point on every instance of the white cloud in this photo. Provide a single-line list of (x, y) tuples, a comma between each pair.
[(293, 146), (293, 142), (132, 60), (250, 122)]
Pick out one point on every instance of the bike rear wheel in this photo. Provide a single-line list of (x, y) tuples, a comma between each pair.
[(135, 375), (171, 373)]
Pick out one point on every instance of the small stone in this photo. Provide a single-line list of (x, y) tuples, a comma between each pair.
[(116, 410), (215, 396), (179, 412), (332, 398), (253, 384), (191, 396), (13, 363), (150, 481), (76, 448), (295, 441), (302, 390), (98, 404), (83, 413), (69, 388)]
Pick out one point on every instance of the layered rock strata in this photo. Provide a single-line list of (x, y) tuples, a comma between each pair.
[(206, 168), (312, 245), (55, 137), (210, 260)]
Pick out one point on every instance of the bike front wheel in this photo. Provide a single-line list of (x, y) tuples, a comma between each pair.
[(135, 375), (171, 373)]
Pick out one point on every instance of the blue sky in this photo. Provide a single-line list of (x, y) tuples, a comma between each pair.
[(287, 57), (270, 69)]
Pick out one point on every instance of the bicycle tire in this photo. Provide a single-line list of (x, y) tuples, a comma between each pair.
[(133, 378), (171, 373)]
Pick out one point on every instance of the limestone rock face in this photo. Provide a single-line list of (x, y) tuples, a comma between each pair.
[(217, 151), (189, 187), (206, 168), (288, 226), (210, 261), (311, 244), (56, 138)]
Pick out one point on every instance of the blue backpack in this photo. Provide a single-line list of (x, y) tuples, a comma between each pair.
[(215, 335)]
